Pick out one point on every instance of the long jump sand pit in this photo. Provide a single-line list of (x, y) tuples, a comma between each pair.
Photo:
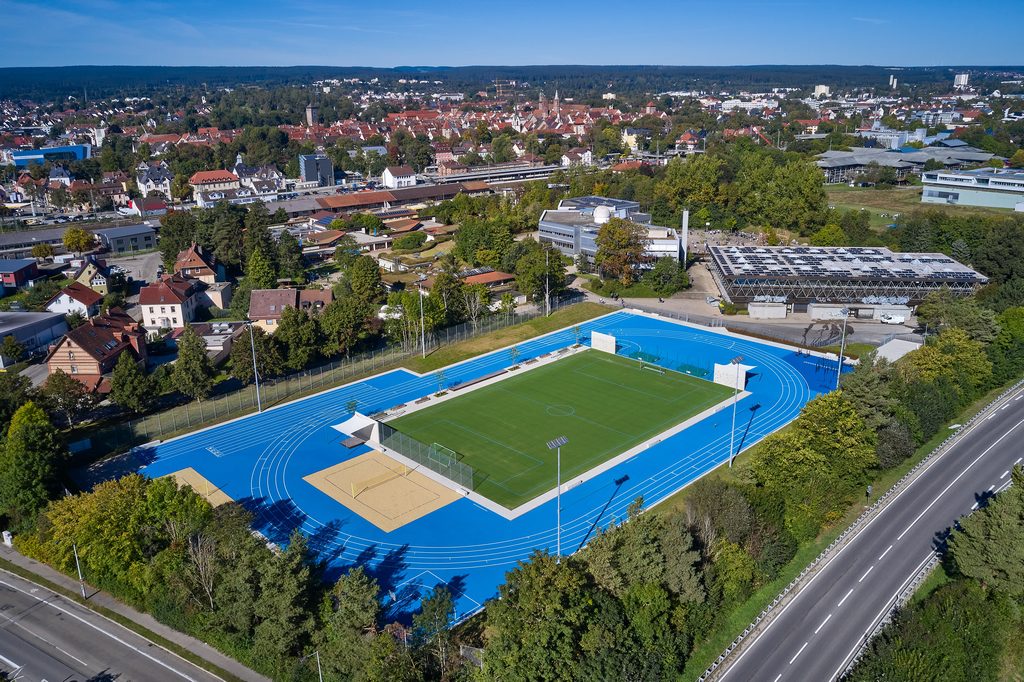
[(383, 491), (208, 491)]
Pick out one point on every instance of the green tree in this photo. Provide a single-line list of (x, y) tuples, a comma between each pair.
[(15, 391), (620, 249), (344, 324), (78, 240), (941, 310), (389, 661), (129, 386), (66, 395), (692, 182), (289, 258), (284, 605), (298, 334), (989, 544), (364, 278), (42, 251), (349, 616), (540, 271), (178, 230), (830, 235), (11, 349), (667, 276), (432, 631), (193, 372), (259, 272), (269, 362), (30, 462), (346, 250)]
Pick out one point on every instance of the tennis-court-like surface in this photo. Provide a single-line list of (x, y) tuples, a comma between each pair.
[(602, 403)]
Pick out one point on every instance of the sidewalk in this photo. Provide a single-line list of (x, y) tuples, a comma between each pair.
[(106, 601)]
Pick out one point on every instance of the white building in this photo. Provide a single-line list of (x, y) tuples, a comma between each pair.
[(75, 298), (397, 177)]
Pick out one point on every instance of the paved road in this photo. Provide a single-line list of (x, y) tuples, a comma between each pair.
[(44, 636), (818, 632)]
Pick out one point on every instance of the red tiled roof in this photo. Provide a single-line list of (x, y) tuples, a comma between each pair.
[(203, 177), (355, 199), (81, 293), (268, 304), (174, 289), (401, 171), (105, 335), (489, 278)]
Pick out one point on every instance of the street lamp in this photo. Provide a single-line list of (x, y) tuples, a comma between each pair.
[(255, 372), (319, 671), (842, 344), (735, 399), (423, 329), (556, 445)]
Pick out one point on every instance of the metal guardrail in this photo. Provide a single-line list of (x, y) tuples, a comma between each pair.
[(852, 531)]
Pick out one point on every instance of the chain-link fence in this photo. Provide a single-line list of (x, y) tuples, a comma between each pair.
[(218, 408), (435, 457)]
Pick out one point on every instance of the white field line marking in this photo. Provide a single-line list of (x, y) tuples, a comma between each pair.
[(870, 568), (100, 630), (885, 552), (798, 653), (959, 476), (827, 618), (845, 598)]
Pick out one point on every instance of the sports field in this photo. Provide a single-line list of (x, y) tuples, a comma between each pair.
[(602, 403)]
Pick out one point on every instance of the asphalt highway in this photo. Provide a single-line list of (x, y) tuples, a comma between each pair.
[(821, 629), (46, 637)]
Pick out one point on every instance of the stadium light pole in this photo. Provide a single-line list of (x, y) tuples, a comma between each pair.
[(842, 344), (735, 399), (255, 372), (556, 445), (423, 329)]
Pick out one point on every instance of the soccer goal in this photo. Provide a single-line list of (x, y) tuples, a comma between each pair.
[(605, 342)]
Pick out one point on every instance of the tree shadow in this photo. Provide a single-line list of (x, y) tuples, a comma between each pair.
[(277, 520), (325, 544)]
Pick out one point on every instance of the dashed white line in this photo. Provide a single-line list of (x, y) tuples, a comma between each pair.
[(1004, 406), (1019, 397), (844, 598), (974, 506), (798, 653), (990, 416), (1005, 474), (778, 677), (823, 623), (870, 568), (991, 488), (1017, 461), (885, 552)]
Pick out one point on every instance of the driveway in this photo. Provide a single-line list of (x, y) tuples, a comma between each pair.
[(142, 268), (36, 373)]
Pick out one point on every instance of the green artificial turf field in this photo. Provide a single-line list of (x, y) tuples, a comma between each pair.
[(603, 403)]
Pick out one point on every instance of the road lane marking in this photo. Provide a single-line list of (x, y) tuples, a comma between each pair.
[(1005, 474), (991, 488), (1004, 406), (830, 560), (47, 642), (870, 568), (100, 630), (778, 677), (1018, 460), (958, 477), (798, 653), (9, 662), (885, 552), (844, 598), (1019, 397), (878, 617), (990, 416), (974, 506), (823, 623)]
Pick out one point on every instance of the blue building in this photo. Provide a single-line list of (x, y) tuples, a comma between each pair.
[(71, 152)]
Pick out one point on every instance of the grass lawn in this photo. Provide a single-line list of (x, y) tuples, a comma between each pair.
[(603, 403), (901, 200)]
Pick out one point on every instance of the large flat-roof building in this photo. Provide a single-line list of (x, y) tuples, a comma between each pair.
[(818, 274), (573, 227), (70, 152), (34, 331), (128, 239), (996, 188)]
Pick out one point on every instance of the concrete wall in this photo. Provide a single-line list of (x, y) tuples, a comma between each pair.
[(965, 196), (767, 311), (825, 311)]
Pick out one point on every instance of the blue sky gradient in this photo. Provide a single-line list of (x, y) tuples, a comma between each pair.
[(460, 32)]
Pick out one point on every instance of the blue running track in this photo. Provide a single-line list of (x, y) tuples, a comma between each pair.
[(260, 461)]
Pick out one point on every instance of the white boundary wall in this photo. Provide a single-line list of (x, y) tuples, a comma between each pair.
[(732, 376), (605, 342)]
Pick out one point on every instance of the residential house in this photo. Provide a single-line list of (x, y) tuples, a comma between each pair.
[(267, 305), (211, 181), (91, 351), (218, 336), (263, 179), (59, 175), (195, 263), (151, 207), (18, 272), (170, 303), (75, 298), (578, 156), (95, 275), (154, 177), (396, 177), (127, 239)]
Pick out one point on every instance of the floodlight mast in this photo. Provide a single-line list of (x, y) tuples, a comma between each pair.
[(842, 344), (735, 398), (556, 445)]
